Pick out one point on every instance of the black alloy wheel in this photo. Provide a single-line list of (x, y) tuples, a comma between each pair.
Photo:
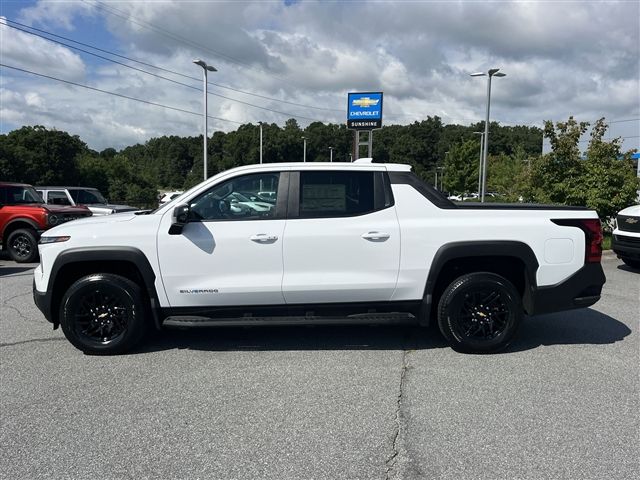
[(103, 314), (22, 246), (480, 312)]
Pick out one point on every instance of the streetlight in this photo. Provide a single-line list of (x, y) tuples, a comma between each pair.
[(260, 143), (493, 72), (205, 68), (480, 164), (331, 154), (304, 149)]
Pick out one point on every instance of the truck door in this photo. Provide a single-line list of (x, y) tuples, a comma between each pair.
[(230, 251), (342, 238)]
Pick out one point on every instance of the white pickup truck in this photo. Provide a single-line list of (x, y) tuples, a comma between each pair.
[(338, 243)]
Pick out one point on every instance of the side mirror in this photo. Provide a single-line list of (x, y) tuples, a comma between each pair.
[(179, 219)]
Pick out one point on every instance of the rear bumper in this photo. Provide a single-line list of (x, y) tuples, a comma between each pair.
[(582, 289), (626, 246)]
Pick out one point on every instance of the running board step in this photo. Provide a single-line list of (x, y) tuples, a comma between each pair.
[(364, 318)]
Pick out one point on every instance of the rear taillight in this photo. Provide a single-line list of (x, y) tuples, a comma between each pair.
[(593, 236)]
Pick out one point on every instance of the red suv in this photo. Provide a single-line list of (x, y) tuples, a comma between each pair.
[(23, 217)]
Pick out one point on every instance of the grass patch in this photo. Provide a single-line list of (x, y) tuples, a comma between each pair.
[(606, 241)]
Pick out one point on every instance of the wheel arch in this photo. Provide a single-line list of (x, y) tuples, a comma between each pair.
[(128, 262), (511, 259), (17, 224)]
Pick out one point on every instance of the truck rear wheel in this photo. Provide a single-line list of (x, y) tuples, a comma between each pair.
[(480, 312), (103, 314), (22, 246)]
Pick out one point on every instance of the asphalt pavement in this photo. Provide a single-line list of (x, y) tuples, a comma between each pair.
[(562, 402)]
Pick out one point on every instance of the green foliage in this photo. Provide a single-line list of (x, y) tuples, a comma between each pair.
[(461, 167), (604, 180), (508, 175), (609, 181), (39, 156), (134, 174)]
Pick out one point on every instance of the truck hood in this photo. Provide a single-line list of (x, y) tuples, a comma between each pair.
[(61, 209), (107, 208), (632, 211), (89, 221)]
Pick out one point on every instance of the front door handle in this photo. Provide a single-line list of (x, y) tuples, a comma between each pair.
[(375, 236), (263, 238)]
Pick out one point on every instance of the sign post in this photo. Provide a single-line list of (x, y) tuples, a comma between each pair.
[(364, 114)]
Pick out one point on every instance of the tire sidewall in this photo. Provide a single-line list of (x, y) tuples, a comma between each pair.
[(126, 290), (31, 238), (448, 308)]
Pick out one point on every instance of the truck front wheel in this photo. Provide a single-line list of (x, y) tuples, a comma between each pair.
[(22, 246), (480, 312), (103, 314)]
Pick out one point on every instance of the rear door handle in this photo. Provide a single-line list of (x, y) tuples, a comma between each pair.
[(375, 236), (263, 238)]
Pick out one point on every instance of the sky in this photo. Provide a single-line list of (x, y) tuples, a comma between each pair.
[(298, 59)]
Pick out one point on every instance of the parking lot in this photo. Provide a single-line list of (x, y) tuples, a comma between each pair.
[(324, 402)]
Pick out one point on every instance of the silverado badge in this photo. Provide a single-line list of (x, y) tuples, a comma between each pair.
[(631, 220)]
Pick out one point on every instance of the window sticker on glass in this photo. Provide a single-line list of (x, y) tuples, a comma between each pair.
[(324, 197)]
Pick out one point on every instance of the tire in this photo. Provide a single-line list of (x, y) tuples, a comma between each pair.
[(480, 312), (631, 262), (22, 246), (103, 314)]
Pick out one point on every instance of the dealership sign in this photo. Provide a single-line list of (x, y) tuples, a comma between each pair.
[(364, 111)]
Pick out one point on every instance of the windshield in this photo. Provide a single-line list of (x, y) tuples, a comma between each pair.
[(12, 195), (86, 197)]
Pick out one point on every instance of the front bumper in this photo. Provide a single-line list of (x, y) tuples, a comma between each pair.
[(582, 289), (43, 302), (626, 246)]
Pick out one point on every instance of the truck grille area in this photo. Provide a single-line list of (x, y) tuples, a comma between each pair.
[(67, 217), (628, 224), (624, 238)]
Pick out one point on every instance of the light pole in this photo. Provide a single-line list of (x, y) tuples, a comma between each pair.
[(493, 72), (260, 142), (480, 164), (331, 154), (304, 149), (205, 68)]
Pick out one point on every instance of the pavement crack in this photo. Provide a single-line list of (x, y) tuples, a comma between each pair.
[(390, 463), (18, 312), (34, 340)]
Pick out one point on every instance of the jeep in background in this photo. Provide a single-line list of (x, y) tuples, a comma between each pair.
[(23, 217), (75, 196)]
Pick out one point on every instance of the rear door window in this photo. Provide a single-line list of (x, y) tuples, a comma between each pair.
[(336, 194)]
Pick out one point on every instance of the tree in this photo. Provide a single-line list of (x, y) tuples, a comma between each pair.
[(609, 182), (461, 167), (557, 176), (42, 157), (508, 174), (603, 180)]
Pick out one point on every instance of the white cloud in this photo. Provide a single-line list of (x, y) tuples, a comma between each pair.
[(561, 59), (33, 53)]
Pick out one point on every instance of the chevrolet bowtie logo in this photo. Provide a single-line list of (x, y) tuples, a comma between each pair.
[(631, 220), (366, 102)]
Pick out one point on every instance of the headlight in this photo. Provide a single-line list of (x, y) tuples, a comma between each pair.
[(45, 240), (53, 220)]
